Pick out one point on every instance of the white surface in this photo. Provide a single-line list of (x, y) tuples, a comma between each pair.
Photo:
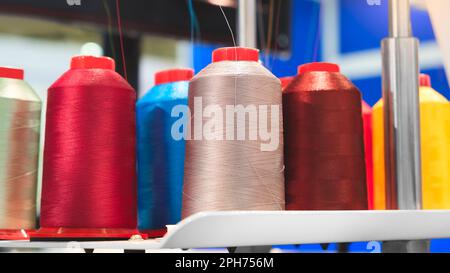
[(280, 228), (224, 229)]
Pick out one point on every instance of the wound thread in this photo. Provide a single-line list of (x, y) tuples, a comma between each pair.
[(221, 173)]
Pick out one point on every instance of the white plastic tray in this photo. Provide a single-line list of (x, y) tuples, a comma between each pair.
[(235, 229)]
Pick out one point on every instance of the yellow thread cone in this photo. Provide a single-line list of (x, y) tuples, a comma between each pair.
[(435, 140)]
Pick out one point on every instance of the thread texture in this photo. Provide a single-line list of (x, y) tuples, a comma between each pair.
[(20, 112), (324, 150), (435, 143), (222, 175), (368, 152), (160, 156), (90, 152)]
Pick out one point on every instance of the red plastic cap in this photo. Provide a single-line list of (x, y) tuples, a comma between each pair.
[(315, 67), (286, 81), (173, 75), (91, 62), (425, 80), (14, 235), (85, 233), (235, 54), (11, 73)]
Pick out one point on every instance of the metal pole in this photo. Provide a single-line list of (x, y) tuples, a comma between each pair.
[(401, 111), (399, 19), (247, 23), (402, 120)]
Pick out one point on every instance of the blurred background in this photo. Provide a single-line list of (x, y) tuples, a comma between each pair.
[(41, 36), (146, 36)]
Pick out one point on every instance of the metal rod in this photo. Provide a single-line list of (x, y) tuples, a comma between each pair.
[(399, 18), (401, 111), (247, 23)]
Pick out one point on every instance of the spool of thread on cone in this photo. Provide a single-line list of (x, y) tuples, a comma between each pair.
[(89, 179), (160, 153), (435, 141), (226, 166), (20, 119), (324, 142)]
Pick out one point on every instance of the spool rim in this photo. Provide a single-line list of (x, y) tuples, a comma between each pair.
[(319, 67), (92, 62), (12, 73), (173, 75), (91, 233), (235, 54)]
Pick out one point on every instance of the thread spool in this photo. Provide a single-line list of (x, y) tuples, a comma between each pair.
[(435, 141), (367, 122), (89, 180), (324, 143), (222, 171), (160, 155), (20, 114)]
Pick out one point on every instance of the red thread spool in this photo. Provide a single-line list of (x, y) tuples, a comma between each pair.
[(367, 121), (324, 142), (89, 180)]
